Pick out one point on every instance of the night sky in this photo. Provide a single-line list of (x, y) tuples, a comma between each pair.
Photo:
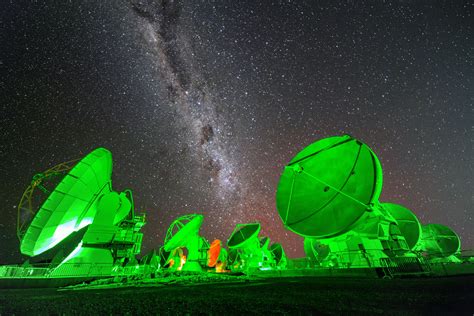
[(202, 103)]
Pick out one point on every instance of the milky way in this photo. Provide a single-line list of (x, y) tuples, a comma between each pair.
[(189, 94)]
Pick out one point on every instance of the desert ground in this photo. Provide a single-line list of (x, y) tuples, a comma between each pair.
[(303, 296)]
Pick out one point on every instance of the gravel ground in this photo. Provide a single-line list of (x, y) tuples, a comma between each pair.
[(303, 296)]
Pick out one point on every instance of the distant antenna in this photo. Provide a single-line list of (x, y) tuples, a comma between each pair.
[(213, 253), (315, 250), (439, 241), (408, 223), (278, 255), (244, 236), (184, 233), (268, 258), (217, 256), (245, 250)]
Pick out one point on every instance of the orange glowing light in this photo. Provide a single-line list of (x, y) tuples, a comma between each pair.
[(213, 253), (182, 261), (220, 267)]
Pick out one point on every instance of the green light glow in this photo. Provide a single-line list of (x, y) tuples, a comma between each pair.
[(328, 187), (328, 193), (72, 201)]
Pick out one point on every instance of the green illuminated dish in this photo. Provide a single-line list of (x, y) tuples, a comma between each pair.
[(71, 206), (408, 223), (328, 186)]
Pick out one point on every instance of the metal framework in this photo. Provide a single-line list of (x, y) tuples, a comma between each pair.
[(26, 201), (177, 225)]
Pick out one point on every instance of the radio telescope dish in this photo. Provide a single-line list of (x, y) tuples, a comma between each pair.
[(408, 223), (267, 256), (246, 250), (264, 242), (184, 233), (217, 256), (72, 204), (181, 230), (315, 250), (244, 236), (439, 240), (233, 256), (165, 257), (278, 253), (327, 187), (151, 260), (213, 253)]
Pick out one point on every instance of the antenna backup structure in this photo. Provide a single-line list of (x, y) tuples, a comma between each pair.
[(71, 220)]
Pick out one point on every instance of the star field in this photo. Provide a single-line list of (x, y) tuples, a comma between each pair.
[(202, 103)]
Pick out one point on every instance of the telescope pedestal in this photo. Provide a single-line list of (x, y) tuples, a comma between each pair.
[(193, 266)]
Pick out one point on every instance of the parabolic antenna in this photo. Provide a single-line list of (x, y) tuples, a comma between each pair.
[(184, 233), (244, 236), (328, 186), (245, 251), (72, 205), (267, 256), (151, 260), (213, 253), (217, 256), (164, 257), (439, 240), (314, 250), (264, 242), (182, 230), (233, 256), (149, 257), (408, 223), (278, 253)]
